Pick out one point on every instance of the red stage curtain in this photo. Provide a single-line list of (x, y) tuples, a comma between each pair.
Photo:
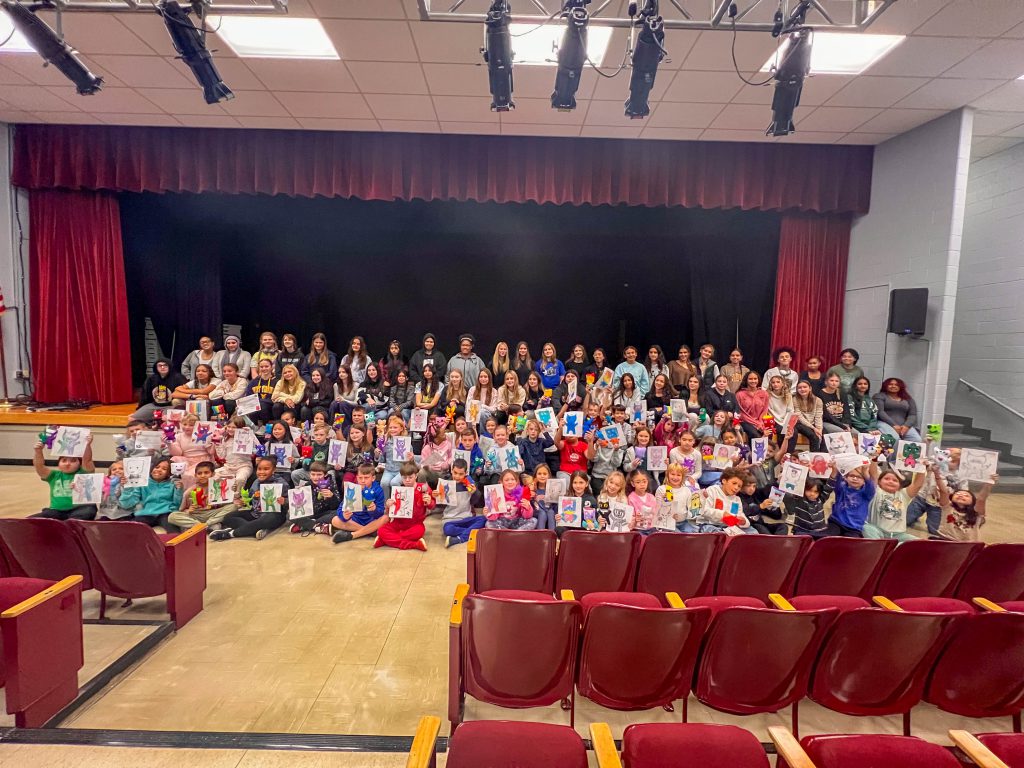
[(383, 166), (79, 306), (810, 285)]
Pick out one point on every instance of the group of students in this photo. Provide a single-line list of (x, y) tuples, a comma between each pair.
[(493, 437)]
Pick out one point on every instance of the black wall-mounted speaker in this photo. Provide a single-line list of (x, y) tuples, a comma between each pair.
[(908, 311)]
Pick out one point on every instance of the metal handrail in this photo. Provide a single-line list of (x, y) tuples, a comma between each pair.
[(997, 401)]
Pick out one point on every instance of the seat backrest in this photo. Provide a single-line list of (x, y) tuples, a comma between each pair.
[(925, 568), (515, 560), (127, 558), (996, 572), (685, 563), (875, 662), (639, 658), (597, 562), (756, 566), (980, 671), (519, 653), (45, 549), (758, 659), (836, 565)]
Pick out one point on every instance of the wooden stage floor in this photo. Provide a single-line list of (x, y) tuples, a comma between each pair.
[(97, 416)]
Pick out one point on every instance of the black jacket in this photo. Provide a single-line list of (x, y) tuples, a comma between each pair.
[(171, 381)]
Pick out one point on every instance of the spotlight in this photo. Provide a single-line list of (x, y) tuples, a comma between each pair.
[(50, 46), (789, 80), (190, 44), (497, 53), (647, 54), (572, 54)]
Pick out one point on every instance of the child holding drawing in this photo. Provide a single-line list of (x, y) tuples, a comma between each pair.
[(197, 504), (407, 532), (59, 480), (267, 514), (153, 503)]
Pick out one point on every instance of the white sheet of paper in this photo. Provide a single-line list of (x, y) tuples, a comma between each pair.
[(447, 492), (404, 498), (613, 434), (400, 446), (283, 452), (69, 441), (244, 441), (87, 488), (546, 417), (246, 405), (494, 499), (202, 433), (847, 462), (136, 471), (758, 450), (149, 440), (776, 496), (818, 465), (222, 491), (573, 424), (174, 415), (418, 420), (570, 512), (979, 465), (657, 458), (508, 458), (906, 460), (553, 488), (722, 455), (337, 452), (199, 407), (793, 478), (352, 500), (678, 410), (840, 442), (178, 468), (620, 517), (462, 453), (867, 443), (269, 494), (300, 502)]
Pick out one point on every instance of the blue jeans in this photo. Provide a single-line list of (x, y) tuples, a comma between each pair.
[(919, 508), (459, 529), (912, 434), (387, 480)]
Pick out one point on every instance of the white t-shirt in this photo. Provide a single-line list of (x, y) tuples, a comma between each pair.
[(889, 510)]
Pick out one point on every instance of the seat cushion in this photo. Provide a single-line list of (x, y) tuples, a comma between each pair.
[(1017, 606), (519, 594), (843, 602), (720, 602), (14, 589), (934, 605), (662, 745), (505, 744), (636, 599), (1008, 747), (859, 751)]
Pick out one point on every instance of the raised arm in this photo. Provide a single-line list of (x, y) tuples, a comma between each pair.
[(940, 484), (38, 462), (916, 483), (87, 462)]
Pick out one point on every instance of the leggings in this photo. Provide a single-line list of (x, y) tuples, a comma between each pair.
[(245, 524), (750, 430)]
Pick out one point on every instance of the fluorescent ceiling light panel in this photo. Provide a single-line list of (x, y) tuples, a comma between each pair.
[(17, 43), (539, 45), (273, 37), (843, 53)]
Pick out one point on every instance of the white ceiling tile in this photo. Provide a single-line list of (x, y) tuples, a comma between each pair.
[(1000, 59), (808, 137), (391, 107), (867, 91), (925, 56), (10, 63), (611, 131), (902, 18), (611, 113), (678, 42), (612, 88), (479, 128), (254, 104), (31, 69), (334, 124), (360, 40), (150, 29), (248, 121), (457, 79), (751, 117), (529, 129), (464, 109), (31, 98), (751, 94), (302, 8), (534, 82), (100, 33), (208, 121), (119, 100), (142, 71), (1008, 97), (967, 18), (180, 101), (539, 111), (410, 126), (1016, 132), (947, 93), (713, 51), (1017, 31), (357, 9), (673, 114), (387, 77), (716, 87), (331, 105), (412, 10), (233, 72), (115, 118), (895, 120), (302, 75), (843, 119), (672, 134), (820, 88), (996, 123), (449, 43)]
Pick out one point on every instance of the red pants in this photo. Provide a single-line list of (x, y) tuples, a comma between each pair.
[(401, 534)]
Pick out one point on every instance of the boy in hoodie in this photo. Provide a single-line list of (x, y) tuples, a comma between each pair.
[(468, 442), (428, 355), (465, 515), (325, 501), (319, 448), (153, 503), (127, 448), (60, 479), (720, 507), (156, 390)]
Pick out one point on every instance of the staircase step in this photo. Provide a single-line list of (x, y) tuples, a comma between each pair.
[(1009, 485), (961, 441), (1005, 469), (951, 428)]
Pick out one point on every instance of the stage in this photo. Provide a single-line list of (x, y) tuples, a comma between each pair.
[(19, 429)]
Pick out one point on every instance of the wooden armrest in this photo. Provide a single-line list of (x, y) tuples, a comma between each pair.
[(41, 597), (422, 750), (789, 748), (471, 546), (780, 602), (455, 618), (885, 602), (987, 605), (674, 600), (567, 595), (974, 749), (192, 532), (604, 746)]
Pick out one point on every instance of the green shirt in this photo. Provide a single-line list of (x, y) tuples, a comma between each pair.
[(60, 488)]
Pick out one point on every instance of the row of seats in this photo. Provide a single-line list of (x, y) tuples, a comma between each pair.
[(705, 564), (521, 653), (503, 744), (122, 559)]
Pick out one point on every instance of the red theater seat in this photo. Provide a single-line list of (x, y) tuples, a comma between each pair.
[(668, 745), (635, 599), (925, 568), (719, 603), (756, 566), (499, 744), (814, 602), (997, 572), (871, 751), (511, 560), (837, 565), (597, 562), (684, 563), (45, 549)]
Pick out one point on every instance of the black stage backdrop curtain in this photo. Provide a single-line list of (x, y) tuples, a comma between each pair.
[(600, 275)]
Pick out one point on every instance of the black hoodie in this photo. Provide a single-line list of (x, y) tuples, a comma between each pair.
[(157, 389), (421, 357)]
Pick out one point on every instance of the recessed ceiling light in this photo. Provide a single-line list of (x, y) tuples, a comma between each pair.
[(539, 45), (16, 42), (273, 37), (844, 53)]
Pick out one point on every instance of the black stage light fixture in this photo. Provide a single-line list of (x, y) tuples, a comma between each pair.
[(190, 44), (789, 80), (572, 55), (49, 45), (647, 54), (497, 53)]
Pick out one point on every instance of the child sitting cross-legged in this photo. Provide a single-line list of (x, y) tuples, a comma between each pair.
[(407, 532), (196, 504), (757, 506), (60, 479), (319, 447), (458, 519), (325, 501), (350, 525), (720, 507), (265, 516), (518, 513), (157, 499)]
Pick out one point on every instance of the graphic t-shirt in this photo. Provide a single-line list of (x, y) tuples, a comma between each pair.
[(60, 488), (889, 511)]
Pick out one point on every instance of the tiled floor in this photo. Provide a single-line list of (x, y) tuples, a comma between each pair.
[(300, 635)]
